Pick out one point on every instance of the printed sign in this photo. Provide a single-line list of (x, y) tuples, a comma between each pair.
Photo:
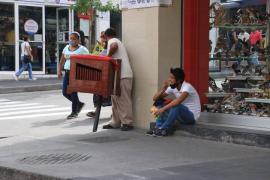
[(31, 27), (51, 1), (132, 4)]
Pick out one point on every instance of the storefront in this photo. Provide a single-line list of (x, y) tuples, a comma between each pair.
[(47, 23), (239, 58), (180, 33)]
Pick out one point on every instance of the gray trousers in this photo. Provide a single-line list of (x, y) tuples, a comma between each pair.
[(122, 105)]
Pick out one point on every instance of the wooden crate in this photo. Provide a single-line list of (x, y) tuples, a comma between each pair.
[(94, 74)]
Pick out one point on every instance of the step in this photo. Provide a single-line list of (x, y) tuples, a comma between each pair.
[(238, 129)]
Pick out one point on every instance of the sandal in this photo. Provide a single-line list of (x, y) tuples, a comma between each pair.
[(91, 114), (108, 126)]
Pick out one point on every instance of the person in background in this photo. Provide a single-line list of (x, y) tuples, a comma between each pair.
[(254, 58), (99, 47), (105, 101), (122, 115), (243, 36), (26, 58), (72, 48)]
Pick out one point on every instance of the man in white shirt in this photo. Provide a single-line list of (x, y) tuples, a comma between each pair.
[(185, 108), (121, 105)]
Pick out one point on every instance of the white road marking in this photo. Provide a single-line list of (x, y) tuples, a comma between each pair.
[(29, 111), (19, 105), (65, 113), (26, 108), (11, 102)]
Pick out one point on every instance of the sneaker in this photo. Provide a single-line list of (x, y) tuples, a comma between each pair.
[(126, 127), (108, 126), (79, 108), (72, 115), (91, 114), (150, 133), (15, 77), (161, 132), (33, 79)]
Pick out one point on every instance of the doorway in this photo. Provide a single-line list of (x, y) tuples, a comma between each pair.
[(31, 23), (64, 28), (58, 27)]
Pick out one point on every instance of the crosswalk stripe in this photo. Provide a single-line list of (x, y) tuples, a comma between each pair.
[(29, 111), (26, 108), (4, 100), (11, 102), (19, 105), (37, 115)]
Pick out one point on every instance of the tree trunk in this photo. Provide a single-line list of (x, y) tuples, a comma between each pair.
[(91, 17)]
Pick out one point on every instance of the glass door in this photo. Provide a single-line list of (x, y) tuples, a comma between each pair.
[(7, 38), (64, 28), (31, 24)]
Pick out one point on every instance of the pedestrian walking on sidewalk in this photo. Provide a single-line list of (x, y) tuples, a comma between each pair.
[(72, 48), (121, 105), (26, 59)]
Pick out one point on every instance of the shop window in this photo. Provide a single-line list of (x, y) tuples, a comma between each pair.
[(51, 36), (30, 24), (239, 57), (7, 37)]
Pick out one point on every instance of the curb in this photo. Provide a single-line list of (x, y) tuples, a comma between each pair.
[(229, 135), (9, 173), (47, 87)]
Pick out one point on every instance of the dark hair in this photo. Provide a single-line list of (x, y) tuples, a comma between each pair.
[(110, 32), (82, 37), (25, 37), (76, 34), (178, 73)]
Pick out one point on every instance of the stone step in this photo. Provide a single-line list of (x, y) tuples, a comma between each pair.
[(222, 133)]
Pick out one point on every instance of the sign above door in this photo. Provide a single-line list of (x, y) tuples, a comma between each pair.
[(136, 4)]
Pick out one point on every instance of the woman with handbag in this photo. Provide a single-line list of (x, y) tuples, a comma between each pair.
[(26, 58)]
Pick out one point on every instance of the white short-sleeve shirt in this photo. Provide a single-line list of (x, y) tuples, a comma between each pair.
[(121, 53), (66, 52), (192, 102), (23, 48)]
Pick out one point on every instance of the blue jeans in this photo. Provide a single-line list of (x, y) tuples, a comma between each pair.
[(73, 97), (178, 113), (25, 66)]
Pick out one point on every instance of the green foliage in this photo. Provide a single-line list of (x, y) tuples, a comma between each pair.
[(82, 6)]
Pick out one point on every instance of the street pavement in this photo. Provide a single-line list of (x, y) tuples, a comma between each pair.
[(39, 142), (24, 85)]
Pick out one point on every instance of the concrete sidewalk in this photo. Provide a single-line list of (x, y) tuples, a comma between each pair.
[(50, 147), (115, 155), (43, 84)]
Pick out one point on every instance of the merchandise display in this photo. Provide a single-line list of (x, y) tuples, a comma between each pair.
[(240, 55)]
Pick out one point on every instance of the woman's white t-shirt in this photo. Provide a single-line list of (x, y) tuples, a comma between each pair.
[(121, 53), (23, 49), (66, 52), (192, 102)]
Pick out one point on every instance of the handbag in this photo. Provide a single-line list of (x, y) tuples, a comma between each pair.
[(26, 59)]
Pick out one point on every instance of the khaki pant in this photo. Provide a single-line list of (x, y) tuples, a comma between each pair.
[(122, 105)]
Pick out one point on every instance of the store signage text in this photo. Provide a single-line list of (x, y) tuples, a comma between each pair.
[(132, 4), (51, 1), (31, 26)]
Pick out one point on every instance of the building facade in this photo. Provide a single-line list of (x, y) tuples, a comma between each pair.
[(164, 34), (48, 23)]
